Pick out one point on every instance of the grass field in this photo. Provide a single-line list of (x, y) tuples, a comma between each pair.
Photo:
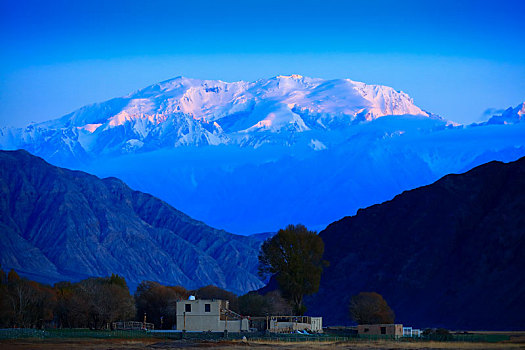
[(78, 339), (142, 344)]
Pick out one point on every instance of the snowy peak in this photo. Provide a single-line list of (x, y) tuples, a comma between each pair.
[(510, 115), (293, 76), (213, 100), (184, 111)]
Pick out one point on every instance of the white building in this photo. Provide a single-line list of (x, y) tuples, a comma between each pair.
[(411, 332), (208, 316), (287, 324)]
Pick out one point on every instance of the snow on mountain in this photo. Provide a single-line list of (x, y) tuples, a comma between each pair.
[(185, 111), (270, 103), (256, 156), (509, 116)]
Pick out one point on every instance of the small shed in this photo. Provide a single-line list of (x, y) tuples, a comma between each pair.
[(394, 330), (411, 332)]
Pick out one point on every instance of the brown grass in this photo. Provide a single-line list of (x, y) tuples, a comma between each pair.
[(152, 344), (63, 344), (389, 344)]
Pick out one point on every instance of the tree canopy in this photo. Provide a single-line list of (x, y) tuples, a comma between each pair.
[(97, 302), (370, 308), (24, 303), (159, 301), (295, 256), (272, 303), (214, 292)]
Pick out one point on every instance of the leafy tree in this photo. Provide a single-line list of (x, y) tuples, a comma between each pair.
[(3, 277), (12, 276), (295, 256), (181, 291), (272, 303), (213, 292), (370, 308), (105, 299), (93, 302), (253, 304), (117, 280), (65, 295), (158, 301)]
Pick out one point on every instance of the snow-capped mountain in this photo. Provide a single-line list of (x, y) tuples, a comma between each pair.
[(184, 111), (510, 116), (255, 156)]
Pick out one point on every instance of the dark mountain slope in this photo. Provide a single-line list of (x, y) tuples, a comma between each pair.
[(450, 254), (61, 224)]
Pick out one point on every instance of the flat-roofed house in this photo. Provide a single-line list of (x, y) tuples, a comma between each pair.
[(394, 330), (208, 316)]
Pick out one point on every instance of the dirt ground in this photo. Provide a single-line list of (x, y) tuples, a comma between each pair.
[(153, 344)]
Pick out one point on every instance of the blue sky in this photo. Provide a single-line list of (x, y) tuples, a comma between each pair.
[(455, 58)]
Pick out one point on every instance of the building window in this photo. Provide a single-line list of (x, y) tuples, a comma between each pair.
[(207, 307), (366, 330), (188, 307), (383, 330)]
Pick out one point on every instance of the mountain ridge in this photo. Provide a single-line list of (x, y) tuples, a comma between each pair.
[(59, 223), (449, 254), (256, 156)]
